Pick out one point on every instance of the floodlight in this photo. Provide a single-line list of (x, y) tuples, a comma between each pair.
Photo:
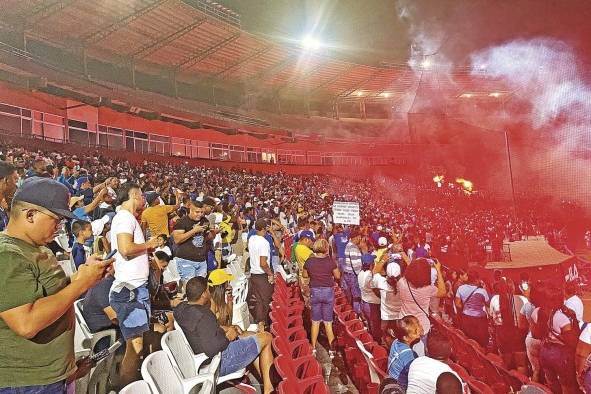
[(311, 43)]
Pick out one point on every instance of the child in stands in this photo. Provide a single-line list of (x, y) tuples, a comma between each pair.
[(83, 232)]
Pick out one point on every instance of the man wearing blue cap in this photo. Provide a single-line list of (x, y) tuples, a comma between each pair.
[(36, 297)]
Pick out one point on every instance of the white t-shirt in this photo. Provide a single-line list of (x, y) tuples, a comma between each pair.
[(134, 272), (586, 335), (559, 321), (423, 374), (258, 247), (164, 249), (364, 278), (576, 305), (495, 307), (389, 300)]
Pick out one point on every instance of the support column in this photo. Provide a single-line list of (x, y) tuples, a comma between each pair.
[(132, 63), (84, 62), (337, 114), (175, 86), (362, 109)]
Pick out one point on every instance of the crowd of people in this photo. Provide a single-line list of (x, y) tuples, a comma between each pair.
[(405, 262)]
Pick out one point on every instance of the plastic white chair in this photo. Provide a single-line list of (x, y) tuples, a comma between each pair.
[(137, 387), (171, 273), (68, 266), (171, 342), (373, 375), (156, 371), (85, 341), (182, 357), (90, 339)]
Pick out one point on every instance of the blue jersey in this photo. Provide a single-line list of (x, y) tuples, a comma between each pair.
[(340, 240)]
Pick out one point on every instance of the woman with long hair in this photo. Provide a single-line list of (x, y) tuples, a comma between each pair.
[(415, 290), (557, 327), (505, 307), (532, 345)]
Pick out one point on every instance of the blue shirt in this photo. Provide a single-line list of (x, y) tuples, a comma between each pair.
[(62, 179), (81, 214), (78, 254), (88, 195), (341, 240), (401, 355)]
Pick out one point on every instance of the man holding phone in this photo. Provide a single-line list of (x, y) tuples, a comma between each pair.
[(36, 297), (129, 295), (190, 234)]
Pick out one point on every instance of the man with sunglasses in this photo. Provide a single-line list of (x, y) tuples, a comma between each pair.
[(36, 297)]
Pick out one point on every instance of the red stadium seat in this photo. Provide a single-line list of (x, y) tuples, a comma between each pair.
[(291, 334), (308, 386), (287, 321), (292, 349), (478, 387), (305, 367)]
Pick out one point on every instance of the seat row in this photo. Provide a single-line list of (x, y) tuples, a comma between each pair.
[(365, 359), (484, 372), (298, 369)]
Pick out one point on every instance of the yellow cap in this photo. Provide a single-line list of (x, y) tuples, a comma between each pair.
[(218, 277)]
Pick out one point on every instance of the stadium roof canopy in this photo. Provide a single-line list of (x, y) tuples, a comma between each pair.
[(201, 39)]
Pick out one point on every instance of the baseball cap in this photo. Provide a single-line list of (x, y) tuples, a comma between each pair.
[(367, 259), (218, 277), (307, 234), (151, 197), (81, 181), (45, 193), (74, 200), (393, 269), (382, 241)]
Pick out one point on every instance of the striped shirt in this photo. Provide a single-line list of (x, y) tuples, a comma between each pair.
[(352, 259)]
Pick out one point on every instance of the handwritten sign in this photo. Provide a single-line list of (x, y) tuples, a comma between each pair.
[(345, 212)]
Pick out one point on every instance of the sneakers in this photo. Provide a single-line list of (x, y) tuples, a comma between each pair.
[(313, 352), (331, 354)]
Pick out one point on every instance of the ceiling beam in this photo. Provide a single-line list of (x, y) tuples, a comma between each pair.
[(244, 60), (41, 11), (299, 78), (337, 76), (105, 31), (359, 84), (161, 42), (273, 69), (198, 56)]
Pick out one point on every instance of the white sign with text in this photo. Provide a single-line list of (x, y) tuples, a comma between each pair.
[(345, 212)]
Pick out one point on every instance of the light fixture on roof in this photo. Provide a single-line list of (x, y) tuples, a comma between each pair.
[(310, 43), (385, 94), (495, 94), (359, 94), (426, 63), (466, 95)]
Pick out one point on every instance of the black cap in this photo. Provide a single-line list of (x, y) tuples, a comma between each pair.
[(151, 197), (46, 193)]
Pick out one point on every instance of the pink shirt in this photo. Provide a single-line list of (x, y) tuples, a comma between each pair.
[(423, 298)]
